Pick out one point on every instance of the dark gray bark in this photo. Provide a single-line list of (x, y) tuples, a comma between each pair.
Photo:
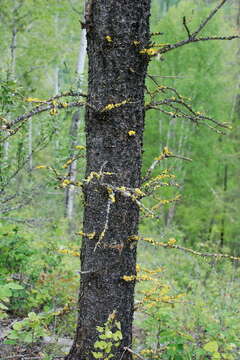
[(116, 74)]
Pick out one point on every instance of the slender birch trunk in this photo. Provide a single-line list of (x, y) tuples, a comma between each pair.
[(11, 76), (74, 130)]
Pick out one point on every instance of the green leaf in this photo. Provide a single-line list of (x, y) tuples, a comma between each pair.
[(211, 346), (5, 292), (9, 342), (33, 316), (100, 329), (97, 355), (14, 286), (100, 344), (117, 335), (109, 334), (12, 335), (108, 348), (216, 356), (110, 356), (28, 338), (118, 325), (18, 325), (3, 307)]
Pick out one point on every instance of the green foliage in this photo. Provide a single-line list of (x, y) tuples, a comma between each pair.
[(28, 330), (110, 336), (194, 71), (10, 94), (184, 327), (6, 292), (15, 251)]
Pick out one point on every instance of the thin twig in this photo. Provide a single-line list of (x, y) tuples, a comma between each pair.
[(133, 352), (167, 48), (192, 37), (101, 236), (186, 27), (180, 157), (168, 245), (196, 119), (204, 23), (43, 108), (67, 93)]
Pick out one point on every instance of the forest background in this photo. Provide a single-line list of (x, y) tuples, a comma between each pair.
[(195, 313)]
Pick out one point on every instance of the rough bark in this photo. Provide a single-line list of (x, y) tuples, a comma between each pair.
[(116, 74)]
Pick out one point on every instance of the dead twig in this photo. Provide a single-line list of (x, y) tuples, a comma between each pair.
[(133, 353), (186, 27), (210, 16)]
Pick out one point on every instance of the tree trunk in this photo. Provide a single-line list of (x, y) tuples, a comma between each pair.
[(116, 76), (225, 185), (11, 76), (30, 147)]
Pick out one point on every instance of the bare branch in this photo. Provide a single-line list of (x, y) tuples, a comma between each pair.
[(29, 222), (41, 144), (192, 37), (210, 16), (193, 116), (167, 48), (134, 353), (186, 27), (157, 33), (67, 93), (43, 108), (198, 253)]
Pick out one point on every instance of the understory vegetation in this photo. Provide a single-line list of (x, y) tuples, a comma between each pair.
[(187, 304)]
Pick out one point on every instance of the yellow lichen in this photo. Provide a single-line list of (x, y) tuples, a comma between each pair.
[(131, 133), (113, 106), (162, 87), (65, 183), (166, 151), (121, 188), (108, 38), (68, 163), (129, 278), (41, 167), (68, 252), (161, 45), (136, 42), (90, 236), (149, 51), (34, 100), (138, 268), (139, 192), (171, 241), (53, 111), (111, 194), (80, 147), (134, 238), (92, 175)]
